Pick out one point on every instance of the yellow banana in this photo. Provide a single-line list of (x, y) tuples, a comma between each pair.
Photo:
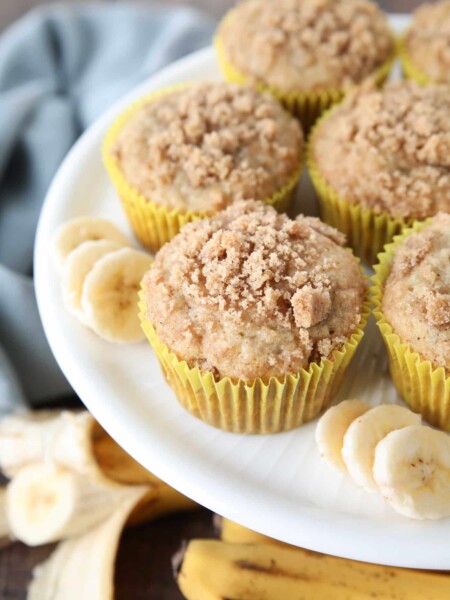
[(159, 501), (238, 534), (117, 464), (214, 570)]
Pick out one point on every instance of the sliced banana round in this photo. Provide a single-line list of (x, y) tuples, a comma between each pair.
[(75, 269), (58, 437), (24, 437), (412, 472), (46, 503), (110, 295), (332, 427), (83, 229), (363, 435)]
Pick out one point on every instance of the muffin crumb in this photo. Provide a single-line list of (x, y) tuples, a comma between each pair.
[(310, 305), (326, 230), (419, 247)]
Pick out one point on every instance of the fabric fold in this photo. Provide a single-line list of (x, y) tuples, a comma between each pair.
[(60, 68)]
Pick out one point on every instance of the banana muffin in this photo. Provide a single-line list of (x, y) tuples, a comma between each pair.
[(416, 298), (306, 45), (389, 150), (204, 146), (250, 293), (427, 42)]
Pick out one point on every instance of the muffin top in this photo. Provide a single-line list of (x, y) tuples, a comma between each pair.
[(389, 149), (428, 40), (207, 145), (251, 293), (306, 44), (416, 300)]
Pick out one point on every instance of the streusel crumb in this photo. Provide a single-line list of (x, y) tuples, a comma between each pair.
[(307, 44), (251, 293), (428, 40), (207, 145), (389, 150), (416, 299)]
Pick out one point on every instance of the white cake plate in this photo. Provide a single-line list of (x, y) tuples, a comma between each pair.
[(278, 484)]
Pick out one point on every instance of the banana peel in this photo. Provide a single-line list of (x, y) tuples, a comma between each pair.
[(5, 529), (75, 474), (83, 567)]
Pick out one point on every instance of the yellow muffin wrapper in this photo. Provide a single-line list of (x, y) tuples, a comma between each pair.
[(367, 232), (306, 106), (262, 406), (152, 223), (424, 387), (410, 70)]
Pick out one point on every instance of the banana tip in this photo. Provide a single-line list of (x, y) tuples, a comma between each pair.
[(217, 523), (177, 559)]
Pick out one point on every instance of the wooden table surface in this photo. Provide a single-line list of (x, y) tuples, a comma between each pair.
[(143, 569)]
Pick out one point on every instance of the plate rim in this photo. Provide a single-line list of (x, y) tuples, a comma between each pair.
[(317, 523)]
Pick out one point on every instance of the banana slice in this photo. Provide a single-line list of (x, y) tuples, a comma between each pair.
[(332, 427), (82, 229), (110, 295), (75, 269), (62, 438), (46, 503), (70, 444), (363, 435), (412, 472), (23, 437)]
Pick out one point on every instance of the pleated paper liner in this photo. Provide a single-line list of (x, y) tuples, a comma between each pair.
[(306, 106), (367, 232), (410, 70), (271, 406), (425, 388), (152, 223)]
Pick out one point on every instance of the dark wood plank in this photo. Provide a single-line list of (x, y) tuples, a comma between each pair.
[(144, 569)]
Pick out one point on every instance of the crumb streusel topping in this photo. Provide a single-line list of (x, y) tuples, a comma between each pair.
[(416, 300), (207, 145), (251, 293), (389, 150), (428, 40), (307, 44)]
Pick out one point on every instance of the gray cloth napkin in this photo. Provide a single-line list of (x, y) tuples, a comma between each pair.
[(60, 67)]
